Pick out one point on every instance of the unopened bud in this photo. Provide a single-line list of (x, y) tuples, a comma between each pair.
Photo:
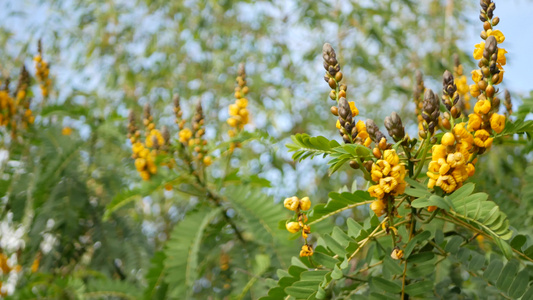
[(334, 110)]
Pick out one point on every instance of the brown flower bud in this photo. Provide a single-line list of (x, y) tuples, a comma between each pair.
[(376, 152), (491, 45), (490, 91), (446, 123), (332, 83), (338, 76), (334, 110), (354, 164), (495, 21)]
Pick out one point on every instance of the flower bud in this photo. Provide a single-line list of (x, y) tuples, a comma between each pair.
[(448, 139), (307, 250), (305, 203), (334, 110), (291, 203), (293, 227), (354, 164), (397, 253)]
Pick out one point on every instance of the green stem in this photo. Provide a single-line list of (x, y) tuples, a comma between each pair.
[(420, 165)]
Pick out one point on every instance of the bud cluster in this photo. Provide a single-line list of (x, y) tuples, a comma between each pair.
[(430, 114), (394, 126), (42, 71), (450, 96), (239, 114), (299, 220)]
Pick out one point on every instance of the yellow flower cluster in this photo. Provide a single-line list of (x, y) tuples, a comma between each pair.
[(42, 72), (7, 108), (298, 205), (485, 120), (145, 153), (15, 110), (389, 175), (239, 114), (144, 160), (450, 166)]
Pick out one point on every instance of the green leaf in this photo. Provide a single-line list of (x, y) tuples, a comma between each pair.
[(519, 285), (414, 241), (493, 270), (337, 203), (182, 250), (382, 284), (453, 244), (156, 288), (419, 288), (507, 275)]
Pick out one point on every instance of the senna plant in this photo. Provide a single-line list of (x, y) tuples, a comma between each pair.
[(426, 219)]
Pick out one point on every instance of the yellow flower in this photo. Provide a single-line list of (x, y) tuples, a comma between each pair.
[(338, 124), (66, 131), (398, 172), (367, 142), (501, 56), (145, 175), (478, 51), (384, 166), (208, 161), (438, 151), (433, 166), (462, 85), (482, 139), (477, 76), (354, 109), (388, 184), (233, 109), (291, 203), (306, 251), (497, 34), (448, 139), (482, 107), (306, 229), (397, 253), (471, 169), (446, 183), (497, 122), (305, 203), (35, 265), (474, 122), (293, 227), (378, 207), (140, 163), (242, 103), (360, 126), (474, 90), (184, 135), (444, 168), (363, 135), (150, 138), (391, 157), (432, 208), (376, 191)]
